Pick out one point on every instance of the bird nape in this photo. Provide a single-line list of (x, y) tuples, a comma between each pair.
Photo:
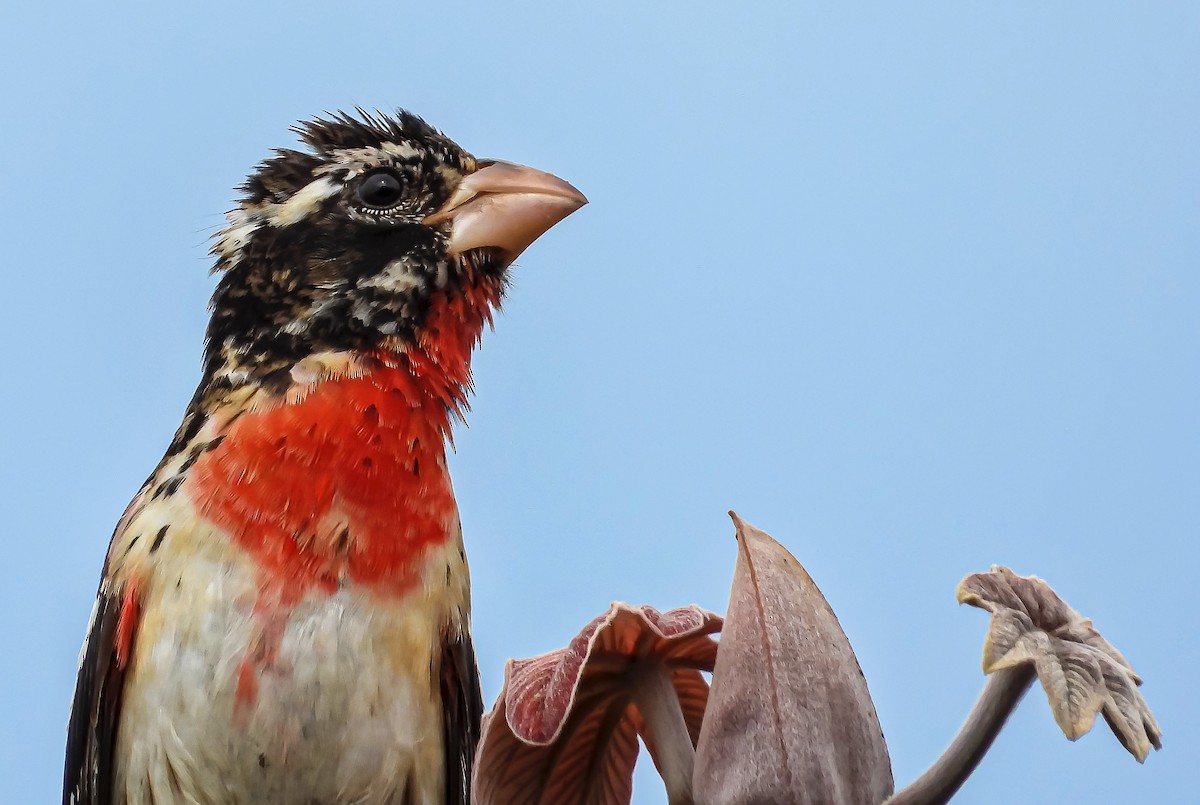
[(284, 609)]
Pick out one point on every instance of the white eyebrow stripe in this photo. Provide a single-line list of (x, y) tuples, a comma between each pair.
[(401, 150), (303, 203), (374, 155)]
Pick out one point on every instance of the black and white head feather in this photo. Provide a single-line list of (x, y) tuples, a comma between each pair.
[(328, 250)]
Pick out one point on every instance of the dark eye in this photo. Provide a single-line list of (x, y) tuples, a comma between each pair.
[(381, 190)]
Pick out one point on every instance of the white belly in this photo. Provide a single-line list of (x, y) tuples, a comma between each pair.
[(345, 707)]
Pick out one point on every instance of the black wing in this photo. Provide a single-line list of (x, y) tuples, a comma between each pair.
[(92, 733), (462, 708)]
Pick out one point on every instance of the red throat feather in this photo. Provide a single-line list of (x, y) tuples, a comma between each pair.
[(347, 481)]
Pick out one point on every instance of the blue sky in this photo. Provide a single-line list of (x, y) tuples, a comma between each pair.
[(914, 287)]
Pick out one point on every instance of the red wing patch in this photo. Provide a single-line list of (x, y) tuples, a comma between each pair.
[(126, 627)]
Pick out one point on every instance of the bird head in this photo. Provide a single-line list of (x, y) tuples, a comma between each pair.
[(351, 244)]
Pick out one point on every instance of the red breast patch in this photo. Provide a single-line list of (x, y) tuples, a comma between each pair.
[(349, 482)]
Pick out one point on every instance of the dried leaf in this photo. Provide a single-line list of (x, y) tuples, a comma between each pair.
[(564, 730), (1080, 671), (789, 715)]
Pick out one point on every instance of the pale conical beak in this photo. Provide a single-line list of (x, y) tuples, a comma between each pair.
[(505, 207)]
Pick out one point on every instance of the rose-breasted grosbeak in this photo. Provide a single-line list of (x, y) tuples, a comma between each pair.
[(283, 615)]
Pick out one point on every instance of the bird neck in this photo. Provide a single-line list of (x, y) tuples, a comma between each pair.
[(440, 359), (344, 480)]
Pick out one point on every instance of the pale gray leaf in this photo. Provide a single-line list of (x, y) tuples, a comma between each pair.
[(1081, 672), (789, 715)]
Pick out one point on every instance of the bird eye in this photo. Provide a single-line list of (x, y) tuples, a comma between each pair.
[(381, 190)]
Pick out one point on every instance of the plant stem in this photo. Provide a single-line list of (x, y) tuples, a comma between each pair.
[(999, 698), (665, 729)]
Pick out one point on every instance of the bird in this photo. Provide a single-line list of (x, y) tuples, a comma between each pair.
[(283, 614)]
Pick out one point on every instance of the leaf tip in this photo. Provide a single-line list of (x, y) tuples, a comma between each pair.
[(963, 592)]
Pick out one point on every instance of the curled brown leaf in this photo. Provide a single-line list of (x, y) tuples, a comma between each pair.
[(566, 724)]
